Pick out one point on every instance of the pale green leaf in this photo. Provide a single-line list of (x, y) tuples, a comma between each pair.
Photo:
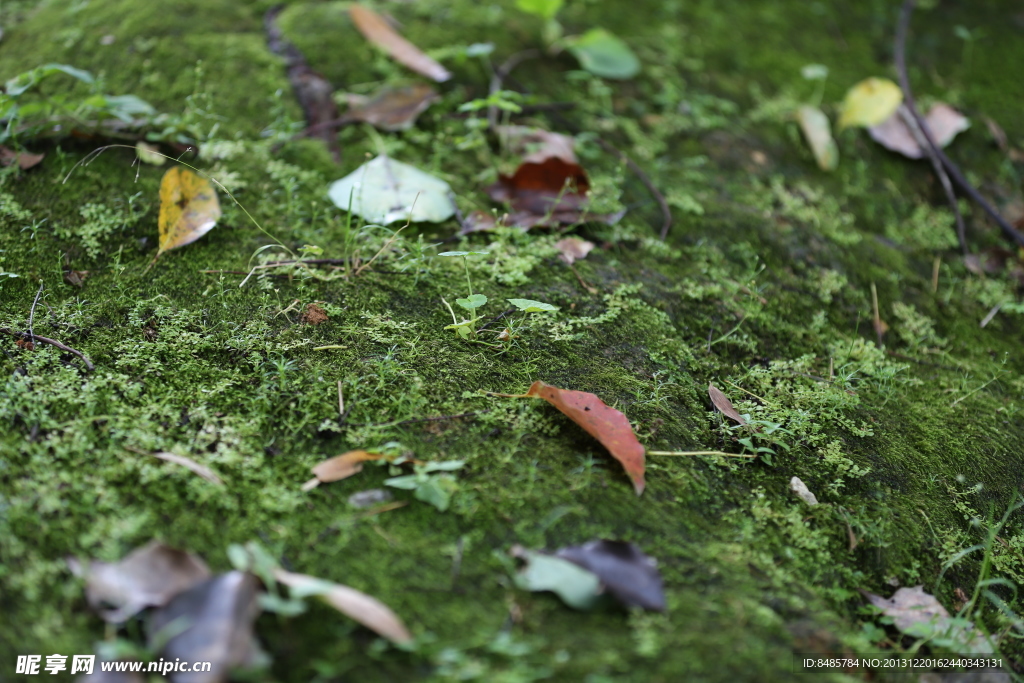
[(576, 586), (605, 55), (818, 133), (870, 102), (385, 191), (531, 306)]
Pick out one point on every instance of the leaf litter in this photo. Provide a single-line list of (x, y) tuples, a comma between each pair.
[(384, 191), (724, 405), (895, 133), (376, 30), (391, 108), (921, 615), (189, 208)]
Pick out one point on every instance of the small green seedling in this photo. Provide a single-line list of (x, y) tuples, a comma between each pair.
[(465, 329), (525, 306), (436, 489)]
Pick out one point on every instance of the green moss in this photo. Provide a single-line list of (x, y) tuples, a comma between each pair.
[(763, 289)]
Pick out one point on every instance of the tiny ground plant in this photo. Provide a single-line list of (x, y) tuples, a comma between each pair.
[(471, 303), (515, 326)]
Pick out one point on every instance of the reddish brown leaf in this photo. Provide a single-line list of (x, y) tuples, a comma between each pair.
[(602, 422), (724, 405), (547, 193), (378, 32), (536, 144), (76, 277), (339, 467), (391, 109), (24, 160)]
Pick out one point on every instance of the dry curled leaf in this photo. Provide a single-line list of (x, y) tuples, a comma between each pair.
[(601, 421), (380, 33), (624, 569), (149, 576), (339, 467), (391, 108), (724, 405), (547, 193), (189, 464), (24, 160), (895, 133), (188, 208), (797, 486), (572, 249), (368, 611), (76, 278), (536, 144)]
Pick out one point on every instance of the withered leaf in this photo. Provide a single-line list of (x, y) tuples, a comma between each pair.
[(76, 278), (380, 33), (624, 569), (392, 108), (724, 405), (148, 576), (917, 613), (188, 208), (24, 160), (572, 249), (536, 144), (548, 193), (368, 611), (602, 422), (818, 132), (895, 133), (216, 621), (189, 464), (339, 467)]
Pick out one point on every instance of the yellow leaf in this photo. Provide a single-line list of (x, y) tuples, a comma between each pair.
[(870, 102), (188, 208)]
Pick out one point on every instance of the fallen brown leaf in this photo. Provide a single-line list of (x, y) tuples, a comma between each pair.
[(149, 576), (390, 108), (368, 611), (601, 421), (24, 160), (76, 277), (189, 464), (919, 614), (627, 573), (339, 467), (548, 193), (536, 144), (212, 622), (572, 249), (724, 405), (942, 121), (380, 33)]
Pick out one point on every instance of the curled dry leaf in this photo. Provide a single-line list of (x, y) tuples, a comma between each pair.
[(797, 486), (24, 160), (149, 576), (624, 569), (724, 405), (368, 611), (601, 421), (919, 614), (572, 249), (210, 622), (818, 132), (895, 133), (76, 278), (391, 108), (380, 33), (339, 467), (189, 464), (536, 144), (188, 208), (870, 102), (547, 193)]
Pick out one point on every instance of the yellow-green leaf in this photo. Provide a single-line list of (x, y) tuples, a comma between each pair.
[(818, 133), (188, 208), (870, 102)]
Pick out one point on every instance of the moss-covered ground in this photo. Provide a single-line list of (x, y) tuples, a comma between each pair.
[(763, 287)]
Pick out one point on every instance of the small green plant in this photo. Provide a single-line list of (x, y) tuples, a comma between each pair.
[(471, 303), (430, 487), (516, 326), (763, 438)]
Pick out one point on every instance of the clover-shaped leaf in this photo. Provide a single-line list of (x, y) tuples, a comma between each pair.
[(472, 301)]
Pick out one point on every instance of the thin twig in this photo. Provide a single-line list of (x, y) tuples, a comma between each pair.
[(951, 168), (496, 319), (54, 342), (32, 315), (666, 212)]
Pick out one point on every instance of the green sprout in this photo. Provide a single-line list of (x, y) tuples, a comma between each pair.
[(525, 306), (472, 302)]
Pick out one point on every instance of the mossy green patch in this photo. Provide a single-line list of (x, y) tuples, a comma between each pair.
[(764, 288)]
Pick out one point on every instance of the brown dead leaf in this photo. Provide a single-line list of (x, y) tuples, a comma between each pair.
[(536, 144), (724, 405), (148, 576), (547, 193), (601, 421), (189, 464), (624, 569), (211, 622), (572, 249), (478, 221), (339, 467), (391, 109), (368, 611), (380, 33), (917, 613), (24, 160), (76, 278), (942, 121), (313, 315)]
